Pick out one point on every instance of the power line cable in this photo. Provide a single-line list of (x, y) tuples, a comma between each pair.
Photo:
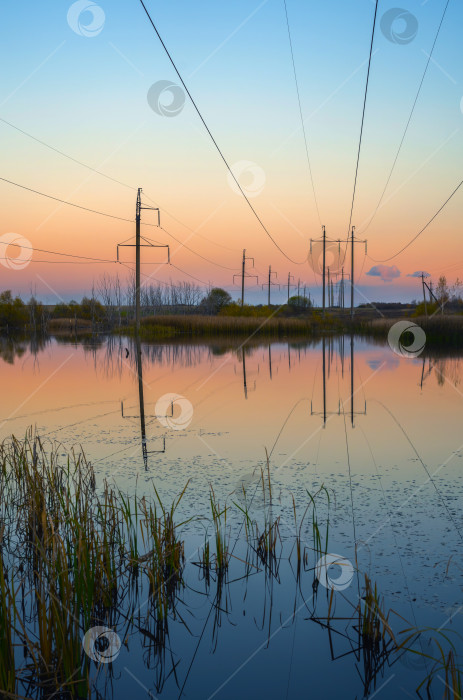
[(300, 113), (361, 125), (113, 216), (188, 274), (53, 252), (295, 262), (63, 262), (422, 230), (71, 204), (225, 267), (409, 117), (108, 177)]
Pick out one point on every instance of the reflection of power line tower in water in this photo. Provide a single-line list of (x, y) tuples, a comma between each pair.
[(142, 416), (326, 365), (245, 383)]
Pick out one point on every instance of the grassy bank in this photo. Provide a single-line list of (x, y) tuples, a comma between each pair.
[(274, 327), (442, 332)]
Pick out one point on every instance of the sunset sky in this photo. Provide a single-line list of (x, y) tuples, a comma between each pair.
[(87, 96)]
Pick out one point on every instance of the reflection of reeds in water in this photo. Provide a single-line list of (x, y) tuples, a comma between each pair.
[(7, 605), (72, 558), (439, 655)]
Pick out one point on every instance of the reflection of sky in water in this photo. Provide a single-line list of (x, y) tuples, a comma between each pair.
[(375, 453)]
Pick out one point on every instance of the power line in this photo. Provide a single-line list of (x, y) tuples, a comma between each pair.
[(54, 252), (70, 204), (422, 230), (112, 216), (108, 177), (66, 155), (409, 118), (295, 262), (64, 262), (188, 274), (300, 113), (195, 253), (363, 120)]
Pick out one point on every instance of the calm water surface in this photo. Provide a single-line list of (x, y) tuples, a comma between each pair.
[(381, 432)]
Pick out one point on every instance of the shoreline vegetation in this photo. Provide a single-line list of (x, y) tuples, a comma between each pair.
[(217, 316), (75, 557), (442, 332)]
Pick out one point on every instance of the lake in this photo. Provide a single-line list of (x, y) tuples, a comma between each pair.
[(374, 437)]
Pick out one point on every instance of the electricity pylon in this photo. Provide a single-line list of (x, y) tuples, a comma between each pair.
[(270, 284), (138, 245), (244, 274)]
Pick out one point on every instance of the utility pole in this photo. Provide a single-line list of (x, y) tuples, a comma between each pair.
[(244, 274), (270, 283), (289, 284), (344, 276), (341, 292), (137, 261), (138, 245), (352, 275), (329, 292), (324, 240), (353, 240), (324, 261), (424, 295), (243, 269)]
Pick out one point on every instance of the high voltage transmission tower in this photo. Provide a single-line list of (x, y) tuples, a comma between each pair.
[(328, 273), (353, 241), (324, 240), (290, 277), (244, 274), (270, 283), (138, 245)]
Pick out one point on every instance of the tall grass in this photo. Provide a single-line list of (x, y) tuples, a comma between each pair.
[(73, 556), (157, 327)]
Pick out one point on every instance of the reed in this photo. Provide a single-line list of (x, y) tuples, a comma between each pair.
[(156, 327), (219, 560)]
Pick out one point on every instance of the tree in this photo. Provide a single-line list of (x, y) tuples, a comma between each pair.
[(216, 300), (298, 304), (442, 290), (13, 312)]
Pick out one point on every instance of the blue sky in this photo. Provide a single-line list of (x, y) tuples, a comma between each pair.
[(87, 96)]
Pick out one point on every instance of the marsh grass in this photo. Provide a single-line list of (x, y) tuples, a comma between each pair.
[(157, 327), (445, 670), (73, 556)]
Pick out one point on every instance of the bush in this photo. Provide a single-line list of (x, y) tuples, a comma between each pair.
[(13, 312), (215, 301)]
